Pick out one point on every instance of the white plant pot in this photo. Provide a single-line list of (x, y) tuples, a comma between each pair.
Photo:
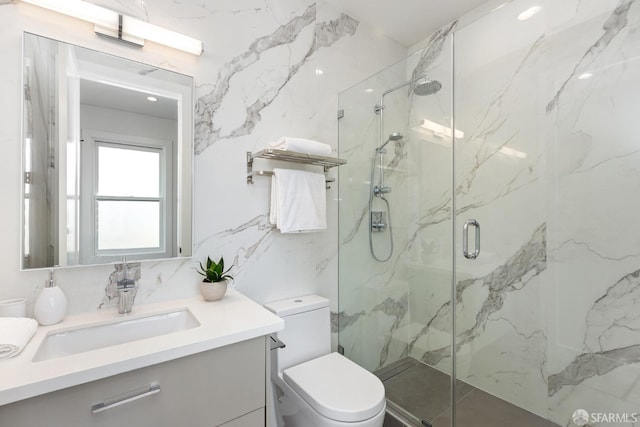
[(213, 291)]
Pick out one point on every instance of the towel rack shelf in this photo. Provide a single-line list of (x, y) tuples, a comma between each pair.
[(289, 156)]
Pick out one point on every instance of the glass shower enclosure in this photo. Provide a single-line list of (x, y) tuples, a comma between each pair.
[(489, 270)]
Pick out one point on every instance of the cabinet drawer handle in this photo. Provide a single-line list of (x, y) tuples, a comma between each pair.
[(103, 406)]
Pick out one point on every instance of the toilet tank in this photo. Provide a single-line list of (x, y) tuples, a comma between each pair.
[(307, 330)]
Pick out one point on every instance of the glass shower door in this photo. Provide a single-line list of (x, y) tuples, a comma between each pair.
[(501, 227), (546, 162), (394, 315)]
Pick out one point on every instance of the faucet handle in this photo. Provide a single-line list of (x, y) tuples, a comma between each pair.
[(126, 284), (123, 281), (125, 300)]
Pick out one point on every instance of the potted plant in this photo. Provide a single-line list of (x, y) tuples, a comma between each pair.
[(216, 279)]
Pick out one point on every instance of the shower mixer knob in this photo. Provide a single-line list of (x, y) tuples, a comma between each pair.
[(378, 221)]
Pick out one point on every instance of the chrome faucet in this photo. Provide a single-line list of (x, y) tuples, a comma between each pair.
[(126, 289)]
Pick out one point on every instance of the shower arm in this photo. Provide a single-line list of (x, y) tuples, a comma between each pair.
[(380, 106)]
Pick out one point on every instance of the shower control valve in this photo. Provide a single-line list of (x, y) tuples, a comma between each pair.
[(377, 190), (377, 221)]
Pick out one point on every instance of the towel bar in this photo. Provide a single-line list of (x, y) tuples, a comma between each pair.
[(270, 173), (290, 156)]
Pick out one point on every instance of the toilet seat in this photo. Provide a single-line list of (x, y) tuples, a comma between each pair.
[(337, 388)]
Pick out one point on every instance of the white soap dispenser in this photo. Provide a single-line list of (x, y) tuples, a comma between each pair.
[(51, 304)]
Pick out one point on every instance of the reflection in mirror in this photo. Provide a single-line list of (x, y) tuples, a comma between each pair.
[(107, 158)]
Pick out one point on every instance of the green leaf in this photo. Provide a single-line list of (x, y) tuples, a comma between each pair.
[(214, 272)]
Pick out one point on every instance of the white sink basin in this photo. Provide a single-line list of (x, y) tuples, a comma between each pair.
[(92, 337)]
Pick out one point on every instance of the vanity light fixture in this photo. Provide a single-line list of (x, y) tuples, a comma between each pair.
[(113, 24)]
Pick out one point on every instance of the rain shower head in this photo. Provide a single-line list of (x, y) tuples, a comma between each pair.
[(423, 87), (427, 87)]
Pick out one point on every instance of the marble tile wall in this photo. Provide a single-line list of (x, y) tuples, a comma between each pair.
[(547, 317), (270, 68)]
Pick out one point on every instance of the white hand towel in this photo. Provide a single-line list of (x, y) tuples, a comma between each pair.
[(298, 201), (301, 145), (273, 211), (15, 333)]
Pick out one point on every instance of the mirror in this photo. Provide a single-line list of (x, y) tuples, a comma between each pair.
[(107, 158)]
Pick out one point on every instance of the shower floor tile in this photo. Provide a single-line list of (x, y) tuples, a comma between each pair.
[(480, 409), (424, 392)]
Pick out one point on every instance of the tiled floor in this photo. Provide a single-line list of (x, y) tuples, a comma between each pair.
[(424, 392), (390, 421)]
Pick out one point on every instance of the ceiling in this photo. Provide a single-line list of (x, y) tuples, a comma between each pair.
[(117, 98), (406, 21)]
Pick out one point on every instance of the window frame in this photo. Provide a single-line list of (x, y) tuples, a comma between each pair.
[(91, 140)]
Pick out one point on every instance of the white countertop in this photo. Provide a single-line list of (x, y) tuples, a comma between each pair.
[(233, 319)]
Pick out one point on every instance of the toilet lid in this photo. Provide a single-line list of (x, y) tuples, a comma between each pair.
[(337, 388)]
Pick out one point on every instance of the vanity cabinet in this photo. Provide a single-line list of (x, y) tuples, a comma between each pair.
[(221, 387)]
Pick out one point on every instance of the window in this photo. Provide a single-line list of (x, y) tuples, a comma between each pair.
[(128, 200), (130, 205)]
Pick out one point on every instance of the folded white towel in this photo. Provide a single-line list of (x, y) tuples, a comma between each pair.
[(15, 333), (298, 201), (301, 145), (273, 210)]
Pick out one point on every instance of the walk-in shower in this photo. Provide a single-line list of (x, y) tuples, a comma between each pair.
[(540, 128), (421, 86)]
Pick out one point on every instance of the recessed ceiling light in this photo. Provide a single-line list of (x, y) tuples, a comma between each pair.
[(585, 76), (152, 98), (533, 10), (319, 72)]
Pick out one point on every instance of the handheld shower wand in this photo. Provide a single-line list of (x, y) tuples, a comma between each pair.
[(380, 189)]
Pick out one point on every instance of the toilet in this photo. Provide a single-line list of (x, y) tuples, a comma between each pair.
[(313, 386)]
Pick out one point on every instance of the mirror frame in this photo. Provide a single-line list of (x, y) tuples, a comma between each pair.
[(184, 151)]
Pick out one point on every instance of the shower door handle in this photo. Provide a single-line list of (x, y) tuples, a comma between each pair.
[(465, 239)]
